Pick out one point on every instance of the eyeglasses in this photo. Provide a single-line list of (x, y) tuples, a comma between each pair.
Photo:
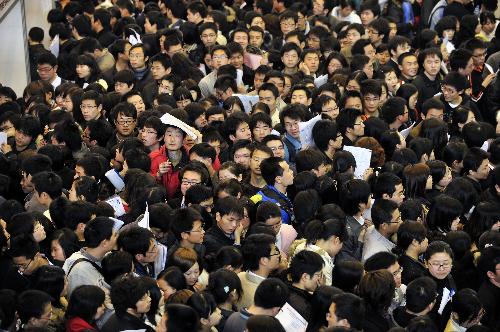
[(154, 249), (149, 132), (5, 128), (372, 32), (44, 69), (125, 122), (398, 272), (198, 230), (210, 35), (219, 57), (136, 56), (438, 265), (23, 267), (287, 24), (88, 107), (189, 182)]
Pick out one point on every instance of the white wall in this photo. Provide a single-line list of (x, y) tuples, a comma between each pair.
[(13, 51), (36, 16)]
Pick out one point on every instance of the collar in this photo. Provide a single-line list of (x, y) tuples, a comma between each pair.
[(295, 142), (479, 68), (254, 277)]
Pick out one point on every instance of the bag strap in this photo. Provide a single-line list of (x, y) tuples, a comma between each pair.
[(82, 259)]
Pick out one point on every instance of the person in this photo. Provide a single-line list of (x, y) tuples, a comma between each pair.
[(466, 310), (326, 239), (142, 245), (377, 289), (204, 304), (489, 267), (439, 259), (346, 310), (420, 299), (225, 286), (386, 218), (306, 275), (269, 297), (261, 323), (278, 176), (228, 227), (131, 300), (412, 242), (34, 309), (84, 266), (261, 257), (179, 317), (85, 307)]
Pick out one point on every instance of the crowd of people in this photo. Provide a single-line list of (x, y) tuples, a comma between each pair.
[(270, 165)]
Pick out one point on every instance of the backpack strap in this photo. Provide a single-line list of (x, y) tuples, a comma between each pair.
[(79, 260)]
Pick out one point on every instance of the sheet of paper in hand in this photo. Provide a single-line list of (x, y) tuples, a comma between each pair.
[(362, 157), (291, 320)]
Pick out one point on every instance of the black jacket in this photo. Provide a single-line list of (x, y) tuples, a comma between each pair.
[(412, 269), (216, 239), (300, 300), (375, 322), (122, 322)]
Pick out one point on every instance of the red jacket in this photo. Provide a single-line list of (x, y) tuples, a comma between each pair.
[(79, 325), (169, 180)]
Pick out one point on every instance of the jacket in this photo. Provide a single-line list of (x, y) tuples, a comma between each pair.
[(215, 239), (249, 284), (125, 321), (271, 194), (77, 324), (169, 180), (83, 273), (300, 300)]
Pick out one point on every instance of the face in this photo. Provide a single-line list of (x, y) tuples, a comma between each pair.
[(449, 93), (479, 56), (56, 251), (374, 36), (353, 85), (287, 25), (242, 157), (158, 71), (219, 58), (313, 42), (24, 265), (439, 265), (137, 58), (371, 102), (22, 139), (189, 179), (90, 110), (208, 37), (366, 17), (68, 103), (409, 67), (152, 252), (243, 132), (260, 131), (395, 269), (277, 147), (290, 59), (39, 232), (383, 57), (333, 66), (311, 60), (331, 109), (435, 113), (312, 282), (332, 319), (122, 88), (257, 157), (482, 172), (125, 125), (241, 38), (287, 177), (354, 102), (183, 103), (173, 49), (292, 127), (398, 195), (46, 71), (228, 223), (149, 137), (83, 71), (166, 288), (300, 97), (432, 65), (359, 127), (173, 139), (237, 60), (256, 39), (45, 317), (144, 304), (413, 100), (488, 26), (445, 181), (400, 49), (267, 97), (392, 81)]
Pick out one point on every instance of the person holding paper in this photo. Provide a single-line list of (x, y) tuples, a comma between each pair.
[(351, 125)]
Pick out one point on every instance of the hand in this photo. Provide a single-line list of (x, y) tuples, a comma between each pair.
[(6, 148), (488, 79), (362, 234), (237, 233), (265, 59), (367, 173), (303, 68), (164, 167), (198, 287)]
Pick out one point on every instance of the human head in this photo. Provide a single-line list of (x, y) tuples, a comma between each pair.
[(34, 308), (346, 310), (228, 214), (306, 270), (439, 259)]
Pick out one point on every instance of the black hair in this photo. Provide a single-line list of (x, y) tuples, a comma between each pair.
[(98, 230), (49, 183), (382, 211), (84, 302), (377, 289), (31, 304), (271, 293), (420, 293), (307, 262), (347, 274), (255, 247), (126, 292)]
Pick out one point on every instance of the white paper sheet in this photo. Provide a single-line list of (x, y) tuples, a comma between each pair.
[(362, 156), (305, 128), (3, 138), (406, 132), (117, 205), (291, 320)]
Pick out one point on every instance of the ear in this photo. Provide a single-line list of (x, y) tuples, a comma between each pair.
[(217, 216), (400, 67), (139, 257), (80, 227), (490, 275), (204, 321), (232, 138), (386, 196), (93, 142), (184, 235), (169, 70), (382, 36), (344, 322)]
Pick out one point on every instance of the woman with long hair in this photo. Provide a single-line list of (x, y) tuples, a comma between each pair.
[(87, 71)]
